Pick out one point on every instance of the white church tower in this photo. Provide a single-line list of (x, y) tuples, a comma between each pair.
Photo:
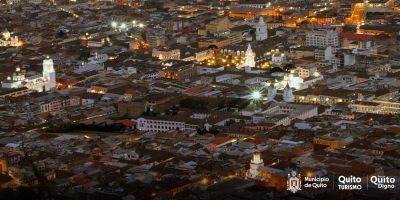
[(261, 30), (288, 94), (271, 92), (255, 163), (250, 57), (49, 74)]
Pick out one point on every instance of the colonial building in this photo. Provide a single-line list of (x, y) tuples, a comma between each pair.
[(44, 82), (174, 54), (376, 107), (261, 30), (55, 105), (179, 70), (162, 125), (266, 176), (288, 94), (250, 58), (7, 40)]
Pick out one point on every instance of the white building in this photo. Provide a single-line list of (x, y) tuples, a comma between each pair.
[(284, 113), (44, 82), (49, 74), (35, 1), (271, 92), (278, 58), (158, 125), (261, 30), (174, 54), (325, 53), (94, 63), (98, 59), (349, 59), (322, 38), (13, 2), (293, 80)]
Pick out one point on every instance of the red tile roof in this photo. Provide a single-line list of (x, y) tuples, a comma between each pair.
[(304, 61), (339, 170), (362, 37), (208, 135), (221, 140), (130, 91), (44, 115), (80, 180), (127, 122), (193, 90), (334, 161), (362, 167), (256, 141)]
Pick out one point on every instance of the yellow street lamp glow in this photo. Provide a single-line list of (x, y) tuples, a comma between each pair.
[(141, 25), (134, 22)]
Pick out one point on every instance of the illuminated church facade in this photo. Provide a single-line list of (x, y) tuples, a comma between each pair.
[(42, 82), (7, 40), (249, 58)]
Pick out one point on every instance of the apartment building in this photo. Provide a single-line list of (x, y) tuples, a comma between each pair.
[(322, 38)]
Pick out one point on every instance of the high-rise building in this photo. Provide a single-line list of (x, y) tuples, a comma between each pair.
[(218, 25), (322, 38)]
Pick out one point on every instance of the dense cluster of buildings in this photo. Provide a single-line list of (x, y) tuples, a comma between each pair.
[(194, 100)]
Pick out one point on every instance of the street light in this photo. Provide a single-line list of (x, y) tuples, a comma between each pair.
[(114, 24), (141, 25), (123, 26), (256, 95)]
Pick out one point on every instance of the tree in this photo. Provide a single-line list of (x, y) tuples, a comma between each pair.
[(213, 47), (201, 131), (230, 122), (276, 69), (61, 34), (288, 67), (193, 104), (84, 55), (213, 131)]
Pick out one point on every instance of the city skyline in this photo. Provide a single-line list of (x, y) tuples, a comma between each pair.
[(199, 99)]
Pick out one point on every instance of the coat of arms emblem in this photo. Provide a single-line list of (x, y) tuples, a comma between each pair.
[(294, 182)]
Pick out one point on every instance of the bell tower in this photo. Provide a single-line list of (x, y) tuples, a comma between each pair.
[(261, 30), (49, 74), (255, 163), (271, 91), (288, 94)]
